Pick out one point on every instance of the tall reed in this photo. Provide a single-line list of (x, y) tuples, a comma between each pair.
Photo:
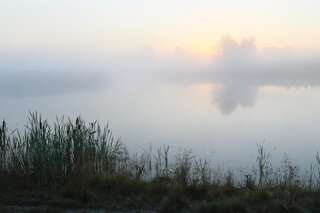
[(52, 154)]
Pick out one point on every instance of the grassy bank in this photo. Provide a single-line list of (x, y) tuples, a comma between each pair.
[(79, 165)]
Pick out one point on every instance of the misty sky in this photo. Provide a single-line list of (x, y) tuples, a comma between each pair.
[(208, 75), (128, 25)]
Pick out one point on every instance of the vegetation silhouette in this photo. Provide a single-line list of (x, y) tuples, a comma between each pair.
[(79, 165)]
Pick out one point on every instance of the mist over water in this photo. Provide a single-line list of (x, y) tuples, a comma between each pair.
[(219, 108)]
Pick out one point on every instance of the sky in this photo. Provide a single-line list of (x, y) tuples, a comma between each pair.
[(190, 73), (128, 25)]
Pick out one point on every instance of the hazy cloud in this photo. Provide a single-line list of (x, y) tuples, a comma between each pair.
[(40, 83), (241, 69)]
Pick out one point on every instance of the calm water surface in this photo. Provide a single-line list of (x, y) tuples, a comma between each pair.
[(188, 116)]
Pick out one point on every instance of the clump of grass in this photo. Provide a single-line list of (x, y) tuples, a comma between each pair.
[(3, 145), (68, 150), (263, 160), (161, 162), (183, 167)]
